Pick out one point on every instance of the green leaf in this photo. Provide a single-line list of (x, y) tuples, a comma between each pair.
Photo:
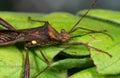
[(91, 73), (73, 63), (106, 65), (12, 57), (19, 21), (10, 62)]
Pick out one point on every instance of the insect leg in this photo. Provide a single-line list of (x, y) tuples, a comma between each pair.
[(91, 31), (27, 65), (102, 31), (32, 20), (47, 62), (41, 72), (95, 31), (87, 45), (6, 24)]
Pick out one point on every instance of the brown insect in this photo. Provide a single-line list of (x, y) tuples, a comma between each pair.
[(40, 36)]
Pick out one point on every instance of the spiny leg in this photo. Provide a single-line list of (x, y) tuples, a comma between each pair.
[(27, 65), (6, 24)]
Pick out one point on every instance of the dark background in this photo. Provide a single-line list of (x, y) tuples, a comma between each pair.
[(47, 6)]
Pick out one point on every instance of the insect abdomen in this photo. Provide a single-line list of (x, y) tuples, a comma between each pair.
[(7, 37)]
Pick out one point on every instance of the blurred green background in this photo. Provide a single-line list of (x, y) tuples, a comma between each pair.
[(47, 6)]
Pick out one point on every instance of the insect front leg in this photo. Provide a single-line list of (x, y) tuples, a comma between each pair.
[(86, 29), (6, 24), (87, 45), (91, 32)]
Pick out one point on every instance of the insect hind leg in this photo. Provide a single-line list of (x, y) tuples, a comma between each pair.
[(6, 24)]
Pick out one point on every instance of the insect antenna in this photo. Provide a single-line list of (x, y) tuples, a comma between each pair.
[(72, 29), (91, 32)]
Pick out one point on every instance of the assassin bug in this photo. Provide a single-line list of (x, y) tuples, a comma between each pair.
[(41, 36)]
